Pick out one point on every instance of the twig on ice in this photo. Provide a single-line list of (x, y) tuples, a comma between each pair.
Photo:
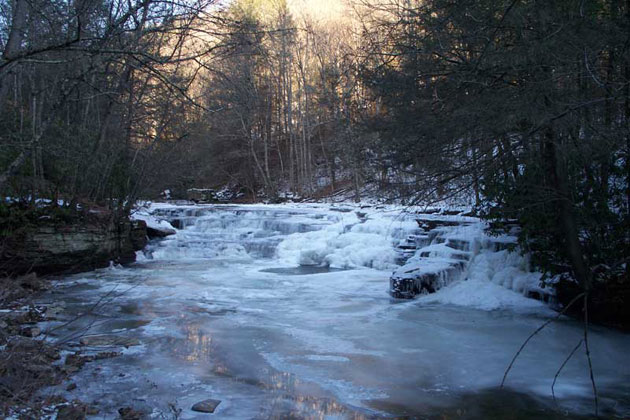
[(588, 356), (555, 378), (539, 329)]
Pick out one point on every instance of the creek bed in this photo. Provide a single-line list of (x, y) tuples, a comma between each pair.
[(217, 318)]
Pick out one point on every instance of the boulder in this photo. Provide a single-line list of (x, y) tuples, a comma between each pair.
[(30, 331), (128, 413), (71, 412), (159, 232), (206, 406)]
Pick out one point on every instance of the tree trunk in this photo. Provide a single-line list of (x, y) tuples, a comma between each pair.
[(14, 42), (567, 221)]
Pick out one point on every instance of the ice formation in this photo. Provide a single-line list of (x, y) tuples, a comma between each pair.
[(427, 252)]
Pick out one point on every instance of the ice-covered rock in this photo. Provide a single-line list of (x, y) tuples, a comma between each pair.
[(459, 249), (440, 257), (155, 227)]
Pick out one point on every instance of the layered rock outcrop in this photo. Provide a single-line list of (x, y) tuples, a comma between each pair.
[(72, 247)]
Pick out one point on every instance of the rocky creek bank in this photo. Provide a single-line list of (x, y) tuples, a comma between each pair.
[(53, 240), (36, 242), (72, 248), (31, 359), (34, 358)]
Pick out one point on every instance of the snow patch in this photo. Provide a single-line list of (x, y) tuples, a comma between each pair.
[(481, 294)]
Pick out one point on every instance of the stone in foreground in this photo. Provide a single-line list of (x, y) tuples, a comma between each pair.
[(71, 412), (30, 331), (128, 413), (206, 406)]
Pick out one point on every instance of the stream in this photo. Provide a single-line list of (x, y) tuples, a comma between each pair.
[(283, 312)]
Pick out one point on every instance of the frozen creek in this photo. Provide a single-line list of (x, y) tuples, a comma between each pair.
[(283, 312)]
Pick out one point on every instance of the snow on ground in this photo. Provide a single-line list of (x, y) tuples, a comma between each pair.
[(493, 279), (481, 294)]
